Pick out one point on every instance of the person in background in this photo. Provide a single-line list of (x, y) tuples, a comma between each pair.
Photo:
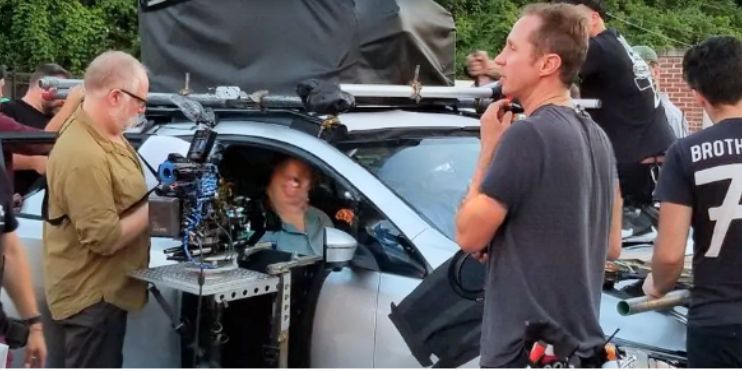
[(700, 186), (481, 68), (631, 112), (675, 116), (36, 152), (35, 111), (15, 275)]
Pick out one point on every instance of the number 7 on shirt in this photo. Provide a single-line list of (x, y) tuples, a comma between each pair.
[(730, 209)]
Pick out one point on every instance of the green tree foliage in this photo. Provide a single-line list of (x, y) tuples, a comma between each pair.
[(68, 32), (661, 24), (72, 32)]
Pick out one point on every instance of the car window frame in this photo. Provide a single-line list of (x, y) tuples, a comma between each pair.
[(281, 146)]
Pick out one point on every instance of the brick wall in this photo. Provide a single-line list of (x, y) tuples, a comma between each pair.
[(671, 82)]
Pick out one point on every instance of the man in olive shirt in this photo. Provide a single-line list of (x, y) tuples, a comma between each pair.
[(97, 229)]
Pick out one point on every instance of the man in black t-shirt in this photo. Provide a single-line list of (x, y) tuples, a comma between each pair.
[(15, 275), (34, 111), (631, 112), (700, 186)]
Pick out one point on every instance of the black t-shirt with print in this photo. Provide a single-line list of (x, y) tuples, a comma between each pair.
[(704, 171), (630, 113)]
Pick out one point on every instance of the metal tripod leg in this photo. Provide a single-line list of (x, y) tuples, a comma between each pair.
[(282, 319), (217, 337), (178, 325)]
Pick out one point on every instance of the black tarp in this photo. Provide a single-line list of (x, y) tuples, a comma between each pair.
[(273, 45)]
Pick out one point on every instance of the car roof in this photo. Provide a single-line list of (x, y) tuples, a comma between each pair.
[(390, 119)]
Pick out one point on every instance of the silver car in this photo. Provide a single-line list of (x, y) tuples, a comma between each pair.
[(403, 173)]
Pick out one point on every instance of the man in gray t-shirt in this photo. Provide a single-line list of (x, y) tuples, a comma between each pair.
[(544, 200)]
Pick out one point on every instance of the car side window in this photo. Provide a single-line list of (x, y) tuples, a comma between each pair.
[(391, 250), (381, 245)]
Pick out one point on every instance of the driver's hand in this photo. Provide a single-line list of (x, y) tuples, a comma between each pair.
[(345, 215)]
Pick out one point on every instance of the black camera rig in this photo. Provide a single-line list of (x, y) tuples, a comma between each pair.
[(193, 204)]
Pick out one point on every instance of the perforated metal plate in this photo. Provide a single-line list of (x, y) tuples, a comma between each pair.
[(225, 286)]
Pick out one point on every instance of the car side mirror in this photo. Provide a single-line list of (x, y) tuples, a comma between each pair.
[(340, 248)]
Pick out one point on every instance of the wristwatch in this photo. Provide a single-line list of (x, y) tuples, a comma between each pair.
[(32, 320)]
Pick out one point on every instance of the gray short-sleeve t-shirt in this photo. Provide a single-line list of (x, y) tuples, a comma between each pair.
[(555, 173), (309, 242)]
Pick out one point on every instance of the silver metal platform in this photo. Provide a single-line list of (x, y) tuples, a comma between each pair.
[(225, 286)]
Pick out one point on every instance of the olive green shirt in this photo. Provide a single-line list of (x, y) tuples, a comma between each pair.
[(91, 182)]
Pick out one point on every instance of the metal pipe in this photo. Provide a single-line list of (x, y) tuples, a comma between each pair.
[(208, 100), (158, 99), (466, 95), (357, 90), (57, 83), (481, 104), (407, 91), (647, 303)]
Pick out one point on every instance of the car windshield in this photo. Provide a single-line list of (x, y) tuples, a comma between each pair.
[(431, 173)]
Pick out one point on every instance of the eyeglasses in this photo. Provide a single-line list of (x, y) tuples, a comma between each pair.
[(142, 101)]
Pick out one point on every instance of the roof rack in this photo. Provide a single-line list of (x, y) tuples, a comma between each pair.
[(234, 97)]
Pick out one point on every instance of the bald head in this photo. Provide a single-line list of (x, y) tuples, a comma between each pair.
[(114, 70), (116, 87)]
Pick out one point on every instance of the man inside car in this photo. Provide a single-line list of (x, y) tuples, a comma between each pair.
[(300, 227)]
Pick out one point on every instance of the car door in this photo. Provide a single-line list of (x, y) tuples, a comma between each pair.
[(349, 312), (439, 324), (344, 319)]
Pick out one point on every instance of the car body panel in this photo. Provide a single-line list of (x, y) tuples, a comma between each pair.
[(391, 350), (345, 320), (352, 327)]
